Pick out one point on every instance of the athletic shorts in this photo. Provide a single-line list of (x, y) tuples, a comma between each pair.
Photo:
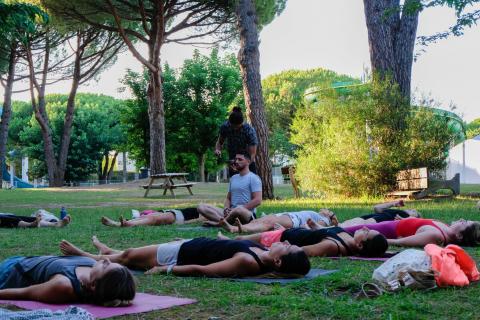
[(270, 237), (167, 253)]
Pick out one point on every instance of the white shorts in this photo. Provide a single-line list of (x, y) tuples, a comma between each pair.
[(300, 218), (179, 218), (167, 253)]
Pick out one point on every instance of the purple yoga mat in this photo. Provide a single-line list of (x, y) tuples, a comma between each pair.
[(143, 302)]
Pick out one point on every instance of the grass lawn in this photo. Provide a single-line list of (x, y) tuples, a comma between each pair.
[(331, 296)]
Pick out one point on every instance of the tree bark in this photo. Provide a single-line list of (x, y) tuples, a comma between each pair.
[(7, 107), (249, 59), (201, 166), (391, 38), (68, 123), (156, 116)]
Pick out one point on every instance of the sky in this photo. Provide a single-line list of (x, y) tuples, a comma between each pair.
[(333, 35)]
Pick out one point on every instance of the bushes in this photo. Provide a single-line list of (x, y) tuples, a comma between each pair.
[(353, 143)]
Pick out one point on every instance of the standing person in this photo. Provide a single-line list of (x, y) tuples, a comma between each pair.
[(241, 137), (244, 195)]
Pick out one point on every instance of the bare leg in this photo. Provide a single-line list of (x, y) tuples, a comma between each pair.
[(241, 213), (227, 226), (141, 258), (356, 222), (34, 224), (109, 222), (210, 212), (150, 220), (221, 236), (103, 248), (382, 206)]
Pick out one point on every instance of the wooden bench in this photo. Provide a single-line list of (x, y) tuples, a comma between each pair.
[(420, 182), (169, 183)]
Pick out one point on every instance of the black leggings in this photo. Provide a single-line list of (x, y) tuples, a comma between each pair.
[(11, 220)]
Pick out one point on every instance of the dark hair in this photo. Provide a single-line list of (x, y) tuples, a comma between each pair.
[(115, 288), (236, 116), (295, 263), (246, 155), (470, 236), (374, 247)]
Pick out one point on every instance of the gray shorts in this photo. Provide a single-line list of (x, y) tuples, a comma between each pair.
[(300, 218), (179, 218), (167, 253)]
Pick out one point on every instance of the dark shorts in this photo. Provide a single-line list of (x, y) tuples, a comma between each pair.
[(386, 215), (11, 221), (6, 268), (190, 213)]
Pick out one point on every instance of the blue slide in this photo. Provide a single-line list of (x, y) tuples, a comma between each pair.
[(17, 182)]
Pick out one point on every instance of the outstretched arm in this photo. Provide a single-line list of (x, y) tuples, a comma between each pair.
[(417, 240), (386, 205), (56, 290), (326, 248), (238, 266)]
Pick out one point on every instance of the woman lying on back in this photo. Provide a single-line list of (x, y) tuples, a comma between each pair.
[(204, 257), (416, 232), (56, 279), (331, 242)]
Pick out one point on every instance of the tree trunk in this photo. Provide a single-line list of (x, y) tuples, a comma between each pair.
[(391, 39), (249, 59), (201, 166), (68, 123), (124, 169), (7, 107), (156, 116), (112, 165)]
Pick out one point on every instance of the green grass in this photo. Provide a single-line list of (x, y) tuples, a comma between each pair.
[(331, 296)]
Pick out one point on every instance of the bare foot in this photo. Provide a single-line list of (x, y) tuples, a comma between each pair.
[(65, 221), (123, 222), (221, 236), (227, 226), (109, 222), (238, 224), (313, 225), (211, 224), (69, 249), (102, 248)]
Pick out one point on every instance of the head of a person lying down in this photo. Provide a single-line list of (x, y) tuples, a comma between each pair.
[(467, 232), (110, 284), (370, 243), (289, 259)]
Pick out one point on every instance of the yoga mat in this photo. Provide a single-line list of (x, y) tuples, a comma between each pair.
[(143, 302), (385, 257), (314, 273)]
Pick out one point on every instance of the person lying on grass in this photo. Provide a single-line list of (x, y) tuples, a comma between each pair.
[(383, 212), (324, 218), (8, 220), (204, 257), (156, 218), (417, 232), (285, 219), (55, 279), (324, 242)]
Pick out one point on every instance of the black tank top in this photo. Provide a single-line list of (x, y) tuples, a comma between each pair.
[(304, 237), (204, 251), (36, 270), (386, 215)]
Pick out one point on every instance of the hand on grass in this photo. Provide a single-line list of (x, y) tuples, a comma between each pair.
[(157, 270)]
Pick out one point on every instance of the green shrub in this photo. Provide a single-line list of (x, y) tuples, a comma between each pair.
[(353, 143)]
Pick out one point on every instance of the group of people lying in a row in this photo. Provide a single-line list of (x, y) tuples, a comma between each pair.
[(283, 246)]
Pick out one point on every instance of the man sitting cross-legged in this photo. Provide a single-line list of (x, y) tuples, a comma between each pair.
[(244, 195)]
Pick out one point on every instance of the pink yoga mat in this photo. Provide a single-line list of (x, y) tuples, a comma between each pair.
[(143, 302)]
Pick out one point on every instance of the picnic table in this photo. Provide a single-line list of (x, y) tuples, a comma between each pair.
[(168, 182)]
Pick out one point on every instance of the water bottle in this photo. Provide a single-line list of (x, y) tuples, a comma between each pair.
[(63, 213)]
